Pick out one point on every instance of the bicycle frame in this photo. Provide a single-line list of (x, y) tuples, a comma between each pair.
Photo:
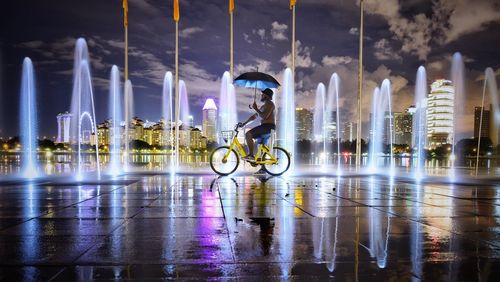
[(259, 157)]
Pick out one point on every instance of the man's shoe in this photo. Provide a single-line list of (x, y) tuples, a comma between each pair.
[(249, 158)]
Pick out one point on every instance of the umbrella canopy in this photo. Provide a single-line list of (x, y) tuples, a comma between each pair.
[(256, 80)]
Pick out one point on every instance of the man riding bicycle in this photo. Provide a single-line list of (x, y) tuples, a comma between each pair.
[(266, 114)]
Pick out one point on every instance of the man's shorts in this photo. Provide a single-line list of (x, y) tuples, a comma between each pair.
[(262, 129)]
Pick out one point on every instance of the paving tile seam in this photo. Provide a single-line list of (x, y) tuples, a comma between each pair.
[(225, 219), (450, 231), (104, 238), (47, 213)]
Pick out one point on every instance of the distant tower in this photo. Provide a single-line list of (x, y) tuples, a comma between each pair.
[(63, 123), (191, 121), (210, 120), (440, 113)]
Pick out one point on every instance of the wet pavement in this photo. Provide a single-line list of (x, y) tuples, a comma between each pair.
[(250, 228)]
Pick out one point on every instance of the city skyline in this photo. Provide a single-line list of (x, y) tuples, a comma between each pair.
[(262, 39)]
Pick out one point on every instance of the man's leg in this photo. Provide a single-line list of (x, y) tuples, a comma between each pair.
[(250, 143)]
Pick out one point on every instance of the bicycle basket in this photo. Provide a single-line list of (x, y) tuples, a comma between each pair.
[(227, 135)]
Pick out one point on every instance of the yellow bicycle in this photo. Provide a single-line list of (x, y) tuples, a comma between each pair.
[(224, 160)]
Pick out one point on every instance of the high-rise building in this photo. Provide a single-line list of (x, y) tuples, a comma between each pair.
[(331, 126), (389, 127), (191, 121), (495, 124), (63, 124), (403, 125), (485, 126), (303, 124), (210, 120), (440, 105), (349, 131)]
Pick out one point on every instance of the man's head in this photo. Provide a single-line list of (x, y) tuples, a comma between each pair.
[(267, 94)]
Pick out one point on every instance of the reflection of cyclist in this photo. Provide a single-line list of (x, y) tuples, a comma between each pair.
[(266, 113)]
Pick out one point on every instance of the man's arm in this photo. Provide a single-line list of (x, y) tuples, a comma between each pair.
[(251, 118)]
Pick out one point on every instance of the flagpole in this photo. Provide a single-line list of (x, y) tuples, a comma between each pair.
[(231, 44), (177, 100), (360, 88), (293, 41), (125, 25)]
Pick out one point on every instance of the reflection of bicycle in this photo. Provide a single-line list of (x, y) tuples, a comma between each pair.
[(224, 160)]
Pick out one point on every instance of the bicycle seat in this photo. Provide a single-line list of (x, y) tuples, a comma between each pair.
[(263, 138)]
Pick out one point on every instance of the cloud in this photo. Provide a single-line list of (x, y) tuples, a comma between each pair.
[(333, 61), (464, 17), (354, 31), (384, 51), (246, 37), (303, 57), (188, 32), (260, 32), (278, 31)]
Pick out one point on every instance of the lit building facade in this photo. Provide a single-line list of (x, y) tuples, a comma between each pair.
[(63, 126), (485, 126), (403, 127), (349, 131), (303, 124), (440, 104), (210, 120)]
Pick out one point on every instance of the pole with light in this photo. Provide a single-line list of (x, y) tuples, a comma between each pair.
[(231, 39), (292, 7), (177, 101), (360, 87), (125, 25)]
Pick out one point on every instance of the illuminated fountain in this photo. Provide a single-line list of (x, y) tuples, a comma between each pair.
[(326, 114), (115, 111), (458, 79), (419, 132), (167, 110), (129, 113), (319, 118), (381, 106), (332, 109), (83, 125), (490, 83), (286, 113), (184, 103), (228, 115), (29, 121)]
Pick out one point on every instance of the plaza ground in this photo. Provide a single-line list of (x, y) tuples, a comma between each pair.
[(247, 228)]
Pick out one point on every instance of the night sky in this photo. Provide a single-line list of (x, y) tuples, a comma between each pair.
[(399, 37)]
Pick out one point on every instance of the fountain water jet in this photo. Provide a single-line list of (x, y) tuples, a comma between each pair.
[(319, 118), (129, 113), (490, 83), (168, 113), (381, 101), (115, 108), (29, 121), (286, 125), (228, 115), (458, 79), (419, 122), (184, 103), (333, 107), (82, 106)]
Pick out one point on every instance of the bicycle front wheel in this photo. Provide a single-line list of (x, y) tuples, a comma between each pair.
[(283, 164), (221, 164)]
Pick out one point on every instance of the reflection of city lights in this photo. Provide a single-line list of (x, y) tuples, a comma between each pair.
[(452, 157)]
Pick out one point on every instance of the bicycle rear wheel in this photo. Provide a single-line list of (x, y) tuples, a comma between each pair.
[(221, 166), (283, 164)]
